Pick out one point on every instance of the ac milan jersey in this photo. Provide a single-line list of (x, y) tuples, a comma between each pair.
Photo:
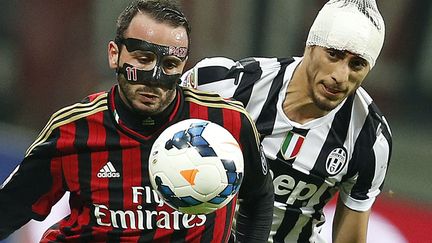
[(347, 150), (88, 150)]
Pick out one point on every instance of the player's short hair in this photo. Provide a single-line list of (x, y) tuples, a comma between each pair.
[(164, 11)]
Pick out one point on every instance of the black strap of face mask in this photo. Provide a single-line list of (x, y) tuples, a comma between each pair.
[(133, 44)]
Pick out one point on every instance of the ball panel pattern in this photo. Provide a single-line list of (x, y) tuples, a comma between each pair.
[(208, 150)]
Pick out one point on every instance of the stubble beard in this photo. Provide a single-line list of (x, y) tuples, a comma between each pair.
[(323, 103), (166, 97)]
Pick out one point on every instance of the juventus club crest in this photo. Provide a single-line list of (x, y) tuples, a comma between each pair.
[(336, 161)]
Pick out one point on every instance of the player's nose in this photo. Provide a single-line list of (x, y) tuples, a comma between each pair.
[(340, 72)]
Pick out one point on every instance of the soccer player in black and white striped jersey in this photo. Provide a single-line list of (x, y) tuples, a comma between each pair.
[(321, 131)]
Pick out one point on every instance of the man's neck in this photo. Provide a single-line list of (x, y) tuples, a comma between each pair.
[(141, 123)]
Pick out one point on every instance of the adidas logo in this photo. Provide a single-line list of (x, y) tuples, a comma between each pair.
[(108, 171)]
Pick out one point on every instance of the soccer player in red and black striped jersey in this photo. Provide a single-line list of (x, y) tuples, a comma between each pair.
[(98, 149), (321, 131)]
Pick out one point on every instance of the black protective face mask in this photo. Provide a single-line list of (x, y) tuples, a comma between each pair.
[(155, 76)]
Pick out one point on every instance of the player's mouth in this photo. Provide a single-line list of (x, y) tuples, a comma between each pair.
[(146, 97), (332, 92)]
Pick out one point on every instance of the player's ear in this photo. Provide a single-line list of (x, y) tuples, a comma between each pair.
[(113, 55)]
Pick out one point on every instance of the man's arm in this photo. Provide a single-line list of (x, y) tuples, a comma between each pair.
[(255, 215), (216, 74), (358, 193), (256, 196), (349, 225), (32, 189)]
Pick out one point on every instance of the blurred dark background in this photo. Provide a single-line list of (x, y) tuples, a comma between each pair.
[(54, 52)]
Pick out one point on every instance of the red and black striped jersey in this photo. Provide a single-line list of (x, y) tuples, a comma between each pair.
[(87, 150)]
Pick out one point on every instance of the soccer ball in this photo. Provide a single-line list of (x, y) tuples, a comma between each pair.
[(196, 166)]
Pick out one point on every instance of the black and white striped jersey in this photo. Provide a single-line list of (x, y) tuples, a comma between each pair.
[(345, 151)]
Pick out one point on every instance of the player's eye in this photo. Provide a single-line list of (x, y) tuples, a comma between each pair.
[(144, 56), (335, 54), (145, 60), (358, 64), (331, 52), (171, 65)]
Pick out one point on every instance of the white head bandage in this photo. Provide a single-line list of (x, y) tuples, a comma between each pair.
[(351, 25)]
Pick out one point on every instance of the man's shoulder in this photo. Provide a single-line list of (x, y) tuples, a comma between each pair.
[(229, 63), (95, 96), (211, 99), (69, 115), (365, 102), (91, 104), (365, 106), (231, 110), (215, 101), (214, 69)]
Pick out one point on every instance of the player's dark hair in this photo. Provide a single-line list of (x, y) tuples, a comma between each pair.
[(164, 11)]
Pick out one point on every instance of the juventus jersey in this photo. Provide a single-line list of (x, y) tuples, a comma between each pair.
[(347, 150), (87, 149)]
